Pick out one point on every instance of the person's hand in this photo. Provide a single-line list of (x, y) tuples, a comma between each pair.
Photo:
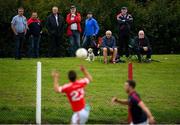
[(55, 74), (114, 99), (145, 48), (123, 20), (151, 120), (82, 68)]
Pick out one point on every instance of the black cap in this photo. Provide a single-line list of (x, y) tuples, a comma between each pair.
[(123, 8), (73, 6), (89, 12)]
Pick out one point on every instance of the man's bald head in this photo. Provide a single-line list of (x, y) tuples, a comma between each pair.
[(55, 10), (141, 34)]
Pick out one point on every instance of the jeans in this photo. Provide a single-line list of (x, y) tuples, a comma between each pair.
[(123, 44), (89, 41), (34, 46), (140, 51), (55, 46), (19, 41), (74, 42)]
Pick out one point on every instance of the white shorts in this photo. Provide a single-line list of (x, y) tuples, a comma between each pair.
[(143, 123), (80, 117)]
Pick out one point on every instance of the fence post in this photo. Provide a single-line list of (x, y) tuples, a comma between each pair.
[(38, 94)]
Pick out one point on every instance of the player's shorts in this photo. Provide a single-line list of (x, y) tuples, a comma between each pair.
[(80, 117), (143, 123)]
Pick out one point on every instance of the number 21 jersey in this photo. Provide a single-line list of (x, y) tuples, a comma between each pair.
[(75, 93)]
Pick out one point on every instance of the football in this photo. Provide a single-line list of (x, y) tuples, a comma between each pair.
[(81, 53)]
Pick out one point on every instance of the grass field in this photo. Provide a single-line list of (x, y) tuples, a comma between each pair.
[(158, 85)]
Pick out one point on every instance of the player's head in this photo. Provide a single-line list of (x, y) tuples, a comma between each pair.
[(129, 85), (72, 75)]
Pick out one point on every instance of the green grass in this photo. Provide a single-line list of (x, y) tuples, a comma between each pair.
[(157, 83)]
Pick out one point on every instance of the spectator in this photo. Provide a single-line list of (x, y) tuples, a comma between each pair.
[(19, 27), (73, 20), (124, 20), (91, 30), (55, 26), (35, 28), (142, 46), (109, 45)]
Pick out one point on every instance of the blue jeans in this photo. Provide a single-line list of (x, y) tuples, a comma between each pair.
[(34, 46), (74, 42), (19, 41)]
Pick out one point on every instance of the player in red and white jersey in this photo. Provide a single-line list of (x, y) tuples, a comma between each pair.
[(75, 93)]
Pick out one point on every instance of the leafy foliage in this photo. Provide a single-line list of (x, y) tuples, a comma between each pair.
[(159, 18)]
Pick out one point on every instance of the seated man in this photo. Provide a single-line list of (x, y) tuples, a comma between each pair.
[(109, 45), (142, 46)]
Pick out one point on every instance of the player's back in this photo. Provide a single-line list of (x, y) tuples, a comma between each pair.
[(75, 93)]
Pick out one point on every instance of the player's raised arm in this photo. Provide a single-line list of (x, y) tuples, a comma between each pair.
[(55, 76), (147, 111), (120, 101), (86, 73)]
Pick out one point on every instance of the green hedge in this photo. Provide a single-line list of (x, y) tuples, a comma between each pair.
[(159, 18)]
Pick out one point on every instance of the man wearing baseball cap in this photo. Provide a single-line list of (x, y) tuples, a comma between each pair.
[(73, 20)]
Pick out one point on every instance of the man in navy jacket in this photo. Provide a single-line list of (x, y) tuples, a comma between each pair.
[(90, 31), (35, 28)]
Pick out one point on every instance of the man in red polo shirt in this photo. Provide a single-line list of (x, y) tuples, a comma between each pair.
[(75, 94)]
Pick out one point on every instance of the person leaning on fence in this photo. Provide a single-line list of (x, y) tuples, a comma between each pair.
[(109, 45), (73, 20), (35, 28), (90, 32), (124, 23), (142, 46), (55, 27), (19, 27)]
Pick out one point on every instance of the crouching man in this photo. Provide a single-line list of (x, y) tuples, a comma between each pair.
[(109, 46), (143, 46)]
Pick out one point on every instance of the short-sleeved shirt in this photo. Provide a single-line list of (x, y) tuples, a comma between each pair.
[(109, 42), (137, 114), (20, 23), (75, 93)]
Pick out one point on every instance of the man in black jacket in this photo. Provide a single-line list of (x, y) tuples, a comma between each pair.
[(124, 21), (142, 46), (35, 28), (55, 26)]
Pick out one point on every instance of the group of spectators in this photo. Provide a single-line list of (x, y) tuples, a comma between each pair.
[(55, 25)]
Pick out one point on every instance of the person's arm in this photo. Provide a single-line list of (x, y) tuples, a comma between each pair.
[(147, 111), (114, 43), (13, 27), (104, 43), (86, 73), (69, 21), (96, 27), (48, 24), (120, 21), (147, 42), (26, 25), (120, 101), (55, 76), (78, 18), (129, 19)]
